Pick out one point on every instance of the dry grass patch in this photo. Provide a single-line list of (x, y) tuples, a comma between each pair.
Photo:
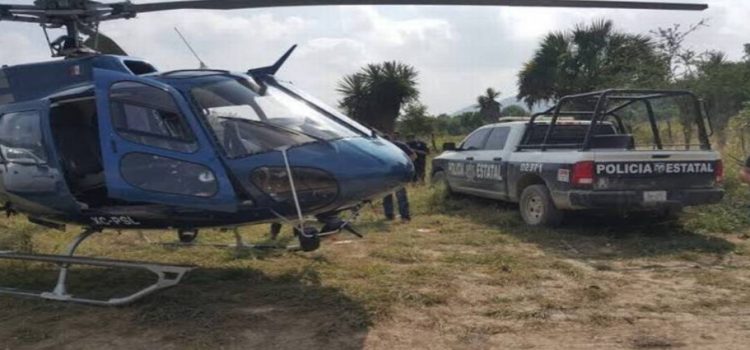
[(464, 272)]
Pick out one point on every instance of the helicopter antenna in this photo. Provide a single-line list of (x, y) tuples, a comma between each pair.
[(202, 64)]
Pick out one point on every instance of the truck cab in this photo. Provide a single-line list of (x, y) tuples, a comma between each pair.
[(613, 157)]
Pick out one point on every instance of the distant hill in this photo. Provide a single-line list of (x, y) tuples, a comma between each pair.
[(508, 101)]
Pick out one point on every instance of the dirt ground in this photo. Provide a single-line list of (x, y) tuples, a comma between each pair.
[(465, 275)]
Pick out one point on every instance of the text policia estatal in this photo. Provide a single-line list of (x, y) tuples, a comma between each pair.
[(654, 168)]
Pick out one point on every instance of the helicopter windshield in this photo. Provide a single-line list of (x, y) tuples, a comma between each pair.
[(246, 122)]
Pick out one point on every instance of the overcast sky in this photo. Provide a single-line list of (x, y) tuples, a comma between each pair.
[(459, 51)]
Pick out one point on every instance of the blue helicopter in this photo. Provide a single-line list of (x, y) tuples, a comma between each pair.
[(102, 140)]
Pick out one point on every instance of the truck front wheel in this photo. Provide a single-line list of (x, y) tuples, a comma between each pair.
[(440, 181), (537, 207)]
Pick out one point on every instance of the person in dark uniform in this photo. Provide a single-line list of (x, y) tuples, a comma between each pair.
[(420, 163), (401, 195)]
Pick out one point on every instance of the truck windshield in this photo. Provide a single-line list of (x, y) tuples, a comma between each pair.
[(246, 122)]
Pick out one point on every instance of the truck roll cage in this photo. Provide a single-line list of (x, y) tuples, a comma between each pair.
[(601, 100)]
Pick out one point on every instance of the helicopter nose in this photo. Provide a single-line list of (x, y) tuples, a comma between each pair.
[(368, 168), (330, 175)]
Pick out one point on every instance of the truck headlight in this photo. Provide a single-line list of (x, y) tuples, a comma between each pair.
[(315, 187)]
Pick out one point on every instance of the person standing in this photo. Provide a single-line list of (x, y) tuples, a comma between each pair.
[(420, 163), (401, 195)]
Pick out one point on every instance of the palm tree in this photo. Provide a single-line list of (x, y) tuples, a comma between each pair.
[(376, 94), (489, 108), (590, 58), (355, 90)]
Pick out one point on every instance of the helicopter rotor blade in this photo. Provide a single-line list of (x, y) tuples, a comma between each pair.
[(7, 13), (17, 7), (240, 4), (59, 11)]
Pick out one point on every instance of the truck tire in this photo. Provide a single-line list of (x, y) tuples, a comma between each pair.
[(440, 180), (537, 207)]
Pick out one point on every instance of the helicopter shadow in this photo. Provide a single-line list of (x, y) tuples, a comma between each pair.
[(228, 308), (590, 235)]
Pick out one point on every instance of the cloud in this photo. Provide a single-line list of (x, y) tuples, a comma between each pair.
[(221, 39), (458, 50), (367, 24), (362, 35)]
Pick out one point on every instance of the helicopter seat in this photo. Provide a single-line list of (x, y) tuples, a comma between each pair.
[(82, 159), (80, 152)]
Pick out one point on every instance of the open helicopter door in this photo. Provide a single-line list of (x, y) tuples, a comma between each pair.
[(29, 168), (153, 146)]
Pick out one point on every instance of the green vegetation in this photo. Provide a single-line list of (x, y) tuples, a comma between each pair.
[(376, 94), (589, 58), (514, 111), (489, 108), (462, 267), (586, 58), (465, 272)]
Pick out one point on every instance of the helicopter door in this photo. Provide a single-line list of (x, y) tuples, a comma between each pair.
[(29, 171), (153, 147)]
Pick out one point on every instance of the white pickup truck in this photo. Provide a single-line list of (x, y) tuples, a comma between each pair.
[(573, 158)]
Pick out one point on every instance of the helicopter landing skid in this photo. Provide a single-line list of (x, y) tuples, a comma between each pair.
[(240, 242), (167, 275)]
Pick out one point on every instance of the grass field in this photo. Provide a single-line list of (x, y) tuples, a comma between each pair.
[(465, 273)]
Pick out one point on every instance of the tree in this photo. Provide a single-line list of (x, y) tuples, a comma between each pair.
[(469, 121), (682, 64), (589, 58), (489, 108), (670, 45), (416, 121), (356, 96), (725, 86), (515, 111), (376, 94), (447, 125)]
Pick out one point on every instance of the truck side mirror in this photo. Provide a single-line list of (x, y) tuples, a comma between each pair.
[(449, 146)]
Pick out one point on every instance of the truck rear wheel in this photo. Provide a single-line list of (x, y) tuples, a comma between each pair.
[(537, 207)]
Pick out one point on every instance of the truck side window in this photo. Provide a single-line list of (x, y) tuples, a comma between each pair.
[(476, 140), (149, 116), (21, 138), (497, 138)]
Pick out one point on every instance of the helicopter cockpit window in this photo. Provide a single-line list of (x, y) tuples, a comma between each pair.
[(149, 116), (245, 122), (21, 138)]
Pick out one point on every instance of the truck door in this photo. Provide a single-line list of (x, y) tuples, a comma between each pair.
[(489, 175), (461, 167), (153, 146), (30, 172)]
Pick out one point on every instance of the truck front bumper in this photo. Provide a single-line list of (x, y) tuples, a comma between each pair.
[(634, 200)]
